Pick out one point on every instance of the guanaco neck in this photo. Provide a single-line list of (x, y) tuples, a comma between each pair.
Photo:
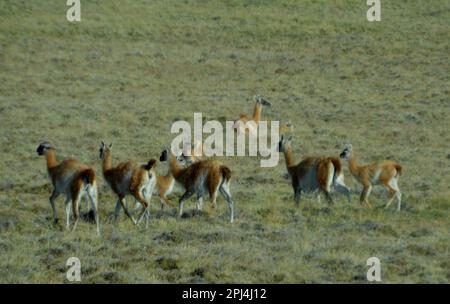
[(257, 112), (107, 161), (174, 168), (353, 166), (50, 157), (168, 176), (289, 158)]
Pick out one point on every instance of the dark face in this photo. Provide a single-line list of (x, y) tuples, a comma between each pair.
[(40, 150), (163, 156), (265, 102), (345, 154), (101, 151), (43, 148)]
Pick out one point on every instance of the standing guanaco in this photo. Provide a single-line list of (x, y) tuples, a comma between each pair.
[(129, 178), (239, 124), (74, 180), (203, 176), (385, 172), (313, 173)]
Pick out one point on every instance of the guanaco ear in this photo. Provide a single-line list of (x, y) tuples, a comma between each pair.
[(290, 138), (110, 146), (102, 144)]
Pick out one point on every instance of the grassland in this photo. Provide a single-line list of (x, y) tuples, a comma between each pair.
[(131, 68)]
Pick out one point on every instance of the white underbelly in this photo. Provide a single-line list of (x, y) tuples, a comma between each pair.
[(170, 189)]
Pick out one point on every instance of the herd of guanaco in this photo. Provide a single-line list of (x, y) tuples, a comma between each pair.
[(199, 176)]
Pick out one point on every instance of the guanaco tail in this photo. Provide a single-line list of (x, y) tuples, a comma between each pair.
[(129, 178), (200, 177), (72, 179), (385, 172), (313, 173)]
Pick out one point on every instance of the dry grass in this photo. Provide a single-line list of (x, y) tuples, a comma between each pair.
[(131, 68)]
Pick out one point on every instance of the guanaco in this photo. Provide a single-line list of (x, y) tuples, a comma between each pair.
[(73, 179), (129, 178), (313, 173), (200, 177), (385, 172), (239, 124)]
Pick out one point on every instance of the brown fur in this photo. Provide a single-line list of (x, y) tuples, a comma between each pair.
[(257, 109), (73, 179), (128, 178), (256, 117), (88, 176), (205, 175), (385, 172), (163, 183), (327, 170), (286, 128)]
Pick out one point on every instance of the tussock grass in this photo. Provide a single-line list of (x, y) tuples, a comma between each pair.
[(131, 68)]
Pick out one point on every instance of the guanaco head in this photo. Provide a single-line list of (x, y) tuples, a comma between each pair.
[(182, 159), (284, 143), (347, 152), (185, 160), (164, 155), (103, 149), (287, 127), (262, 101), (44, 147)]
